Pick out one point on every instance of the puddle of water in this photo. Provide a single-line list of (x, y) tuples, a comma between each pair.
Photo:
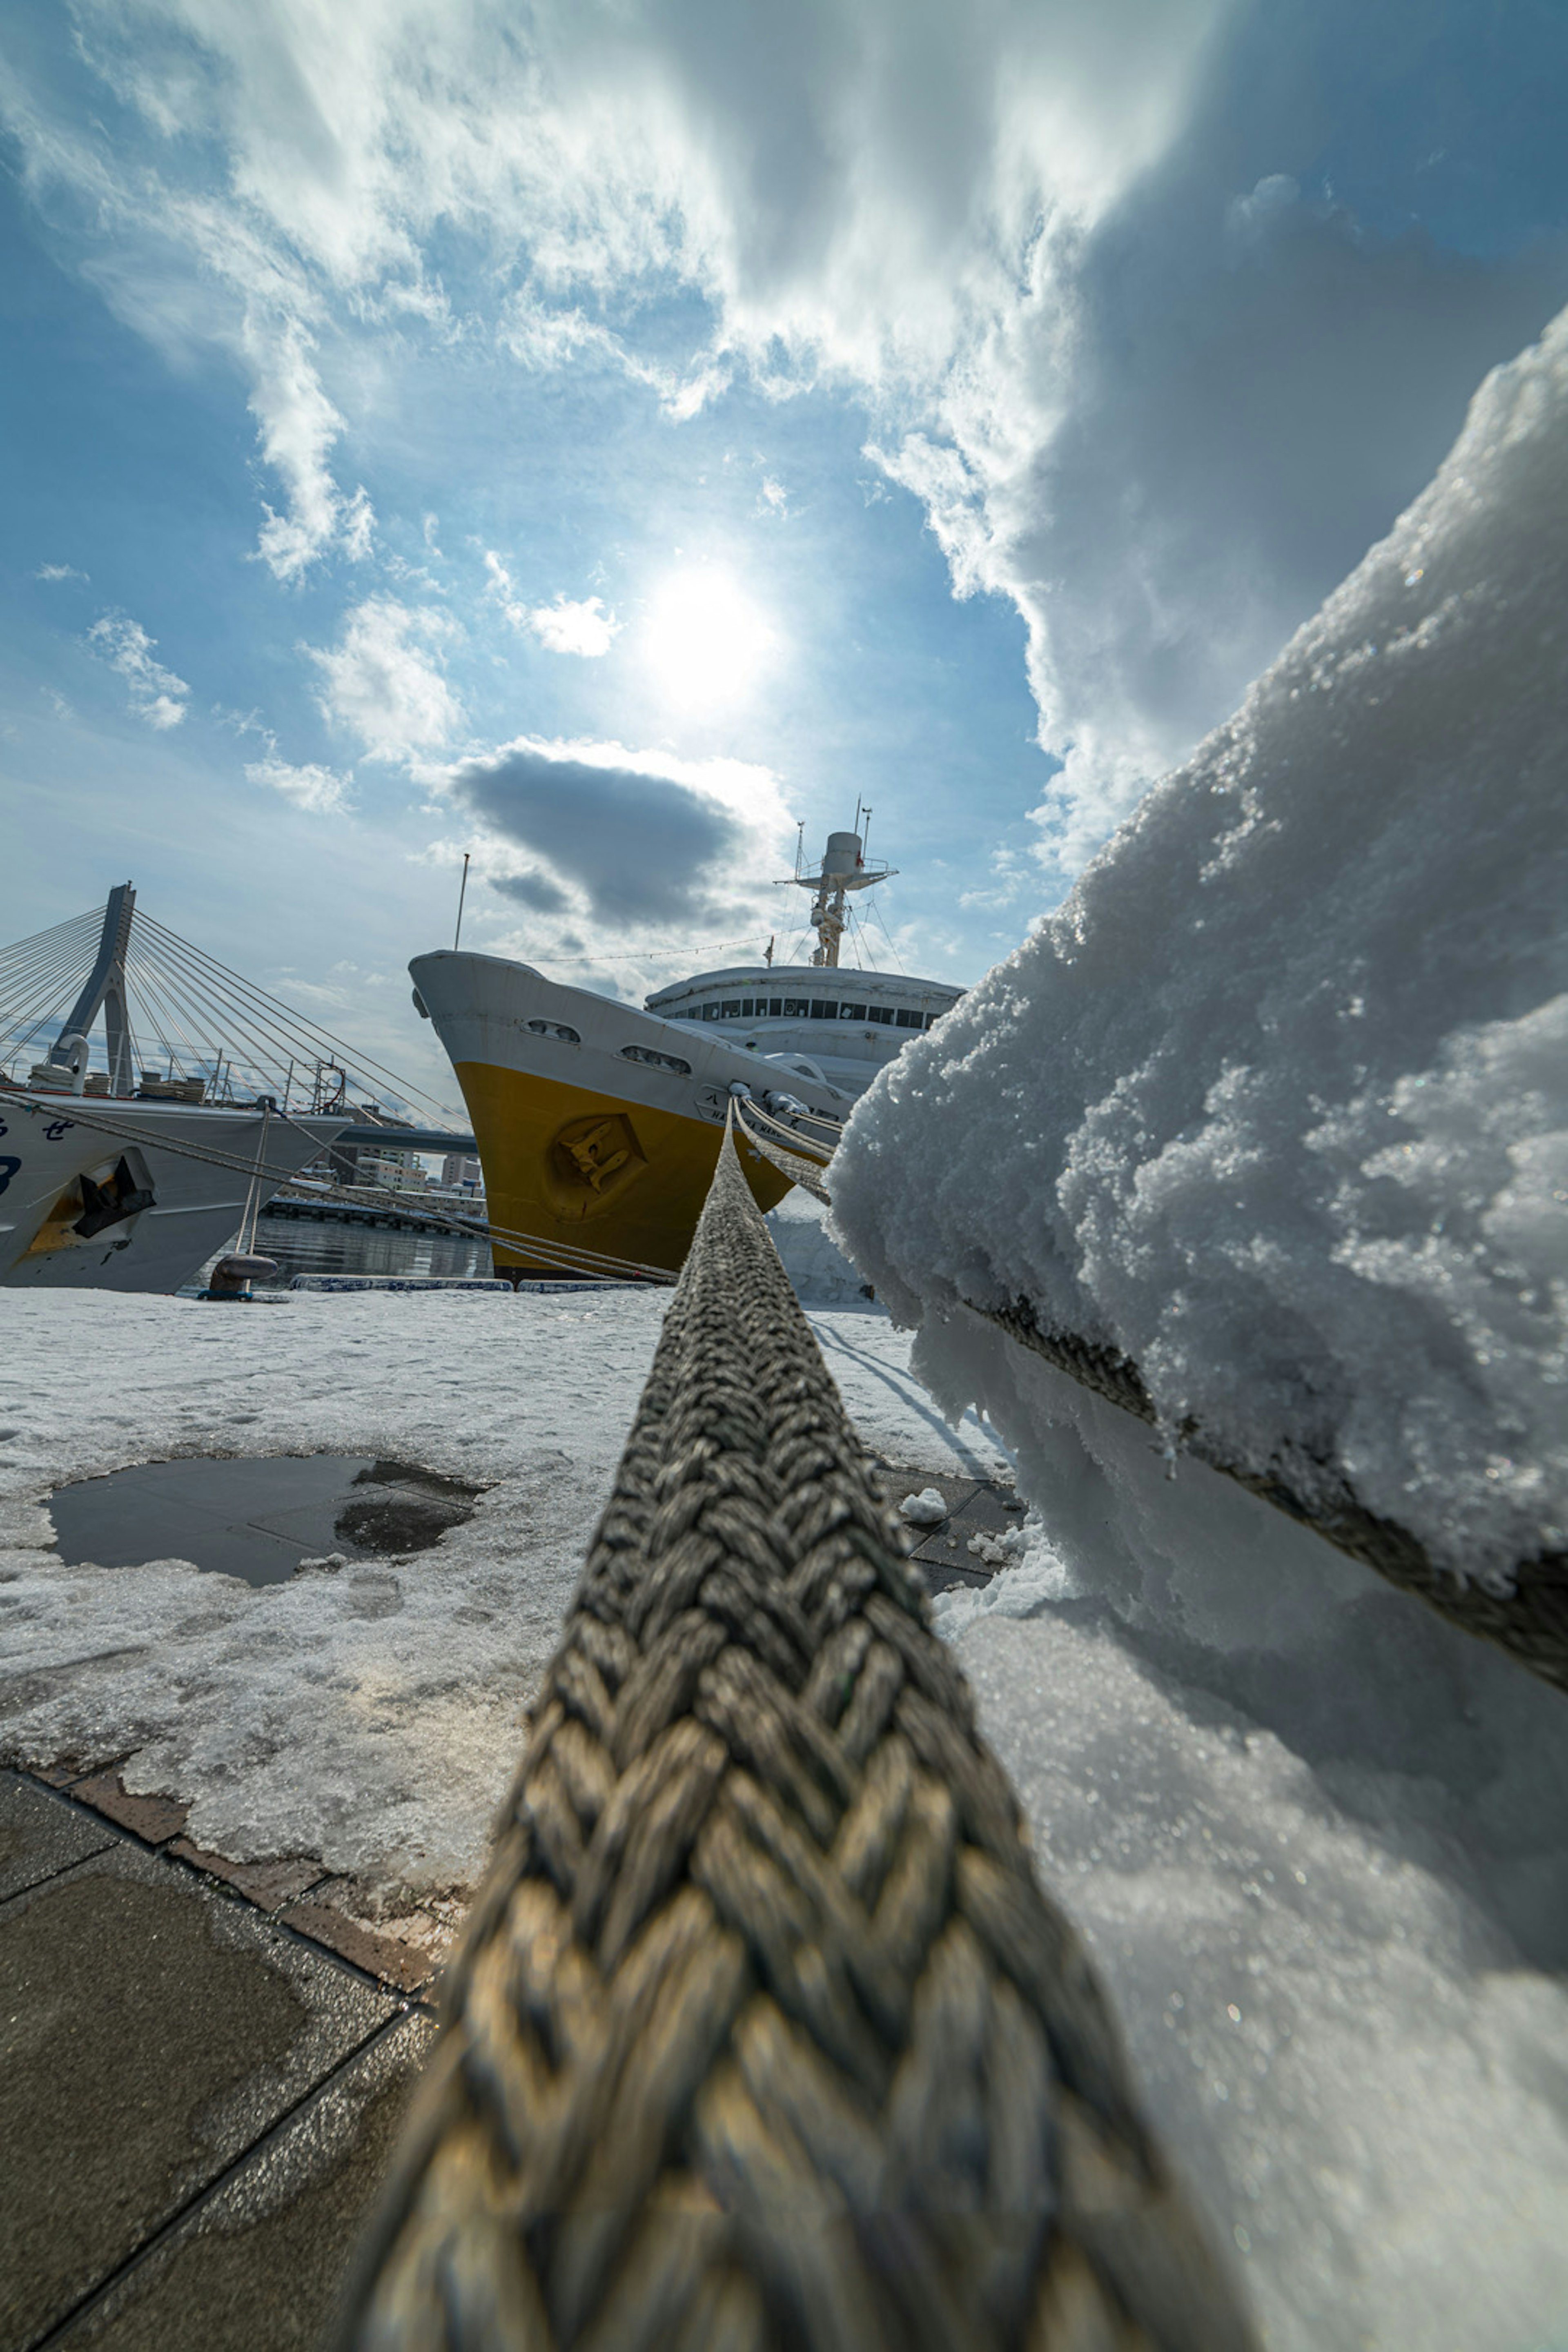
[(255, 1519)]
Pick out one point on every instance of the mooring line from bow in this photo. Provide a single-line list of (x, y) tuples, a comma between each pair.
[(762, 2032)]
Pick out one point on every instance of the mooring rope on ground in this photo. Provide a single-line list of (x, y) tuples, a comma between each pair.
[(761, 2033)]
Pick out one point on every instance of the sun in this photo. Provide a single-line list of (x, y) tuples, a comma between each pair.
[(705, 642)]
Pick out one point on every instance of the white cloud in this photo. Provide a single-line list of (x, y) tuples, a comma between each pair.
[(58, 571), (383, 682), (153, 693), (584, 628), (564, 627), (319, 790)]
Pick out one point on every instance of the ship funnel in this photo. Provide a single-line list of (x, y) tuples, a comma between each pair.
[(841, 857)]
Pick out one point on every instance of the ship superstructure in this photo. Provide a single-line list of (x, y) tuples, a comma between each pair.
[(598, 1125)]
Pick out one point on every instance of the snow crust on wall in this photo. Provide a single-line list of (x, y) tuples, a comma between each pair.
[(1277, 1103)]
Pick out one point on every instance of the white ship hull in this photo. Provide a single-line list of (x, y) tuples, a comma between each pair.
[(598, 1125), (192, 1210)]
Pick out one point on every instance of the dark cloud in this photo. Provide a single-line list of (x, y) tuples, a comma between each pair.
[(641, 847), (1274, 346), (535, 890)]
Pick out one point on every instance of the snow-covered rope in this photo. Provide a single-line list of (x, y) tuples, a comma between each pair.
[(1531, 1620), (762, 2033)]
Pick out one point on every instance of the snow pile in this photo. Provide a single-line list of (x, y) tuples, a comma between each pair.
[(926, 1509), (1277, 1103)]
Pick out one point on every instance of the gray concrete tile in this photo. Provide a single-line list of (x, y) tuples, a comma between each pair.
[(259, 2266), (989, 1510), (154, 2029), (40, 1836)]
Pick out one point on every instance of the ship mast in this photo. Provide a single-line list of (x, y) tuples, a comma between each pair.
[(844, 869)]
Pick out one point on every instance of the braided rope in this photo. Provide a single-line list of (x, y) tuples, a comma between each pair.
[(761, 2033), (806, 1173)]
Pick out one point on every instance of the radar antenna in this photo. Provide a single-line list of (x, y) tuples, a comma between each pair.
[(844, 869)]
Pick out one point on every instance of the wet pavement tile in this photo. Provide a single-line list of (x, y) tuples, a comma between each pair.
[(39, 1837), (156, 2028), (260, 2261)]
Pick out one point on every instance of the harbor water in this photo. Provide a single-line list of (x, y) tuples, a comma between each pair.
[(343, 1245)]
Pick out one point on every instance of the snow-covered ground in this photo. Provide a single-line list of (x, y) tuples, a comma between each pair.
[(1277, 1104), (370, 1716), (1342, 1823)]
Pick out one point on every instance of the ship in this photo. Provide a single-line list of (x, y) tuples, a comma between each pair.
[(125, 1179), (598, 1125)]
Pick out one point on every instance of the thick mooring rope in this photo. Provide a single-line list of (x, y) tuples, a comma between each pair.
[(762, 2032)]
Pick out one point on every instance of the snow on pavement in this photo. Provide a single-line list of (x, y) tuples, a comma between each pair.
[(369, 1716)]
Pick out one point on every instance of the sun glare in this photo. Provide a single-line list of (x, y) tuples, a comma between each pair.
[(705, 642)]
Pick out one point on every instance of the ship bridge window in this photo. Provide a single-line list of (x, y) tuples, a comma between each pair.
[(775, 1007), (910, 1021), (796, 1008), (820, 1011), (556, 1029), (730, 1009), (883, 1013), (656, 1061), (711, 1012), (851, 1012)]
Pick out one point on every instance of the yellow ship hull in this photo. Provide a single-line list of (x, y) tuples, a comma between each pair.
[(576, 1170)]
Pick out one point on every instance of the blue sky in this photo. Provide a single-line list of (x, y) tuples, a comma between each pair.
[(437, 426)]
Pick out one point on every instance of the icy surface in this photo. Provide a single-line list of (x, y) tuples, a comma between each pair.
[(821, 1274), (1319, 1842), (366, 1713), (1278, 1102)]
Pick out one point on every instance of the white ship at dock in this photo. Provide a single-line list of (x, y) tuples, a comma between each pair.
[(123, 1178), (598, 1125)]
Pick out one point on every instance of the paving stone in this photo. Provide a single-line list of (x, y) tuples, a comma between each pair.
[(156, 1819), (259, 2266), (39, 1837), (985, 1512), (405, 1951), (155, 2030), (940, 1576), (268, 1884)]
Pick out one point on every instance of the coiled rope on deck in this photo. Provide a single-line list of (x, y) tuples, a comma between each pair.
[(762, 2032)]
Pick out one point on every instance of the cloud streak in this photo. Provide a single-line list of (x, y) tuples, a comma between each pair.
[(153, 693)]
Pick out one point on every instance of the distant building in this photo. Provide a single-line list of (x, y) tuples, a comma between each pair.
[(459, 1170), (395, 1171)]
